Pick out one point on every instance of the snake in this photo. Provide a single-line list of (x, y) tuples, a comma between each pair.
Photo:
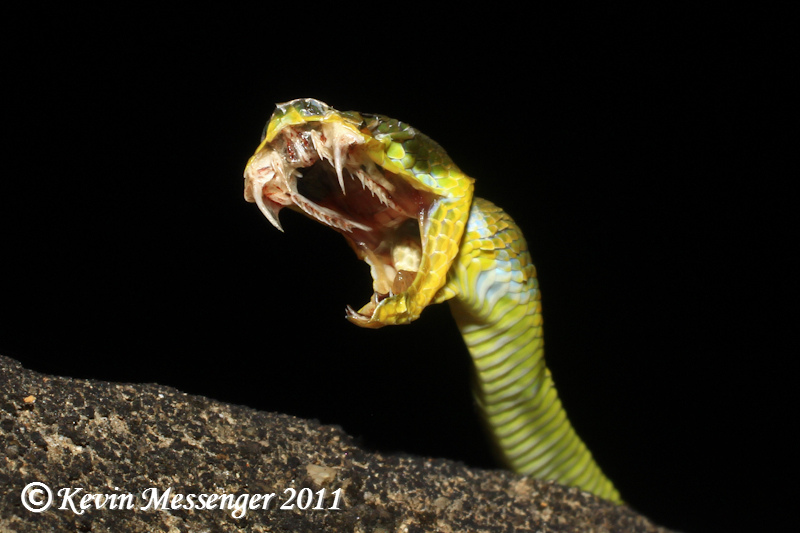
[(409, 212)]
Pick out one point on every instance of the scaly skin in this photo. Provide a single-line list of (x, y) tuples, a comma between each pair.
[(471, 253)]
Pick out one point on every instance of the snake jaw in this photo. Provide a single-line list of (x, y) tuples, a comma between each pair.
[(355, 175), (322, 170)]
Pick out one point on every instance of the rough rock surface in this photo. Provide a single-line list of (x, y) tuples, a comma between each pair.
[(119, 439)]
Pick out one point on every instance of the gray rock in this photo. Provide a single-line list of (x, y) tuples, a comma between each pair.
[(82, 437)]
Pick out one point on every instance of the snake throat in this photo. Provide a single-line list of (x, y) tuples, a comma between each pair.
[(322, 170)]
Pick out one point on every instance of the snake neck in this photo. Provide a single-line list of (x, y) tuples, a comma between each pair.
[(494, 297)]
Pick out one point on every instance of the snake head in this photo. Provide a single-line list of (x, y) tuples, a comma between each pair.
[(395, 195)]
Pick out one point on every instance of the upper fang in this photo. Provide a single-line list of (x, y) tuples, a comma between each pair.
[(337, 162)]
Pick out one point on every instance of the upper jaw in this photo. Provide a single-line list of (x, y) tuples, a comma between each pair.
[(271, 175)]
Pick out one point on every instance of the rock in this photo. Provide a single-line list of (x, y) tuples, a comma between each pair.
[(106, 450)]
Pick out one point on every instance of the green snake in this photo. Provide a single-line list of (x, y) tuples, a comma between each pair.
[(409, 213)]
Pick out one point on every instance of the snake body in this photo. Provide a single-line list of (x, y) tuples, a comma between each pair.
[(409, 212)]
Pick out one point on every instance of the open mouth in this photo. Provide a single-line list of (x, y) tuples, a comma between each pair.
[(324, 170)]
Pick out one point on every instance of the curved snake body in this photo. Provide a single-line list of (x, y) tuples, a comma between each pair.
[(409, 212)]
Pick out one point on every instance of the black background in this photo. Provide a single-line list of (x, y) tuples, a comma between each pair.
[(623, 143)]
